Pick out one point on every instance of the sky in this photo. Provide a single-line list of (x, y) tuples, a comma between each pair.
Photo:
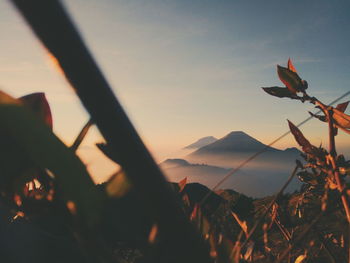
[(184, 69)]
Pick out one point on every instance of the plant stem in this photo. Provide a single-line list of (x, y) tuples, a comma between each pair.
[(259, 221), (333, 154), (332, 149), (81, 135)]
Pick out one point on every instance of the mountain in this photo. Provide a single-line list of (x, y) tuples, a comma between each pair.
[(236, 147), (177, 169), (261, 176), (173, 163), (236, 141), (201, 142)]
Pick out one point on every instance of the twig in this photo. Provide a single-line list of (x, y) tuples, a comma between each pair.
[(81, 135), (258, 222), (340, 183), (325, 246), (300, 237)]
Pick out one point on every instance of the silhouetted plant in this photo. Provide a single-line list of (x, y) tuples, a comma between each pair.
[(324, 170)]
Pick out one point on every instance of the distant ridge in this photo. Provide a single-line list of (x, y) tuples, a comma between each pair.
[(201, 142), (175, 163), (234, 142)]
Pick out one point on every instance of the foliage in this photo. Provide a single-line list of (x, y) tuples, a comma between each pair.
[(44, 184), (323, 172)]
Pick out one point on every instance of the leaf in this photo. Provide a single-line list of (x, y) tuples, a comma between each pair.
[(291, 79), (119, 185), (341, 119), (48, 152), (153, 234), (213, 243), (38, 103), (299, 137), (242, 224), (342, 106), (186, 200), (280, 92), (195, 212), (304, 143), (236, 251), (182, 184), (273, 213), (107, 151), (290, 66), (307, 177), (249, 250), (300, 259), (320, 117)]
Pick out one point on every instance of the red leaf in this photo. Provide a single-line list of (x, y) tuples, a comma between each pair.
[(342, 106), (307, 147), (153, 234), (291, 79), (280, 92), (39, 105), (299, 137), (182, 184), (195, 212), (341, 119), (290, 66)]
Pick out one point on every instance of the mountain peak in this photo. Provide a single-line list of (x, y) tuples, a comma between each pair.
[(169, 163), (235, 141), (236, 133), (201, 142)]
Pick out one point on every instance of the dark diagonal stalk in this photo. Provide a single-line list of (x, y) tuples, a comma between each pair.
[(81, 135)]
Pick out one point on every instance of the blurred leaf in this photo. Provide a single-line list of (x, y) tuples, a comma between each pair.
[(236, 251), (290, 66), (213, 243), (182, 184), (291, 79), (153, 234), (280, 92), (186, 200), (48, 152), (249, 250), (195, 212), (242, 224), (107, 151), (300, 259), (274, 213), (342, 106), (307, 177), (38, 104), (119, 185), (344, 170), (205, 225), (71, 207), (341, 119)]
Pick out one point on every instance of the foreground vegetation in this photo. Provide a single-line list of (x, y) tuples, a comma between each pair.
[(52, 211)]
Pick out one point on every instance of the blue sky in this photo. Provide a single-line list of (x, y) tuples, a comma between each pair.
[(188, 69)]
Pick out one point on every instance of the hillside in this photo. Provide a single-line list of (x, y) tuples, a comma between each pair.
[(201, 142)]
